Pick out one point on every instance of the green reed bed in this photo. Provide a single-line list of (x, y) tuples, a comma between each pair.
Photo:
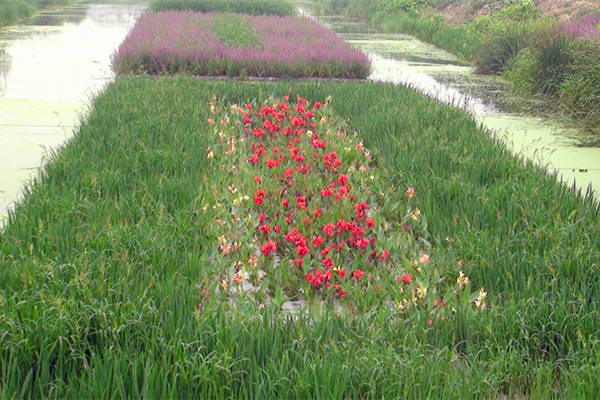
[(105, 262), (254, 7)]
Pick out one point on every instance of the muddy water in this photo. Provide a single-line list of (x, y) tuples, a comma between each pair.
[(50, 68), (402, 59)]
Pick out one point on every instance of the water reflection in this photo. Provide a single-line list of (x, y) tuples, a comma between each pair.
[(50, 68)]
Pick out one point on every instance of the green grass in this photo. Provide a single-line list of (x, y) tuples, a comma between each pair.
[(254, 7), (104, 261), (234, 31)]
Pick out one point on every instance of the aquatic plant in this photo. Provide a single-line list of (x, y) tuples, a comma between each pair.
[(108, 265), (584, 27), (254, 7), (186, 42), (315, 224)]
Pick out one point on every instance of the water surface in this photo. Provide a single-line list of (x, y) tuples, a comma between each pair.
[(50, 68)]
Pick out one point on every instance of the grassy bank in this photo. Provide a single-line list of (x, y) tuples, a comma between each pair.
[(13, 11), (539, 55), (104, 263)]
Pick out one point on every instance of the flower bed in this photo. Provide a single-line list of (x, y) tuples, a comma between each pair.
[(186, 42), (300, 216)]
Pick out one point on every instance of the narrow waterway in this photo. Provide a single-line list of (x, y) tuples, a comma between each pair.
[(403, 59), (50, 69)]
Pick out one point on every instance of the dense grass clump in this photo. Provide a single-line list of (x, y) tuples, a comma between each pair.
[(105, 261), (254, 7), (12, 11)]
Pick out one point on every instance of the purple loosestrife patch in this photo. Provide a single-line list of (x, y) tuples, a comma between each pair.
[(172, 42), (585, 27)]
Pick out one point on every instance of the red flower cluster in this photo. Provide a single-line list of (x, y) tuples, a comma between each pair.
[(328, 230)]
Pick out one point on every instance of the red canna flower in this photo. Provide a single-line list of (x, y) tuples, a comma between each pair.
[(317, 241), (268, 248), (259, 197), (358, 273)]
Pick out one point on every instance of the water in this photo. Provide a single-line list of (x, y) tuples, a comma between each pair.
[(402, 59), (50, 68)]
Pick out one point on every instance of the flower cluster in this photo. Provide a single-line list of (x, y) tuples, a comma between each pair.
[(309, 209), (170, 42)]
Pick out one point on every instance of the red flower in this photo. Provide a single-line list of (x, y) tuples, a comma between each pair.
[(268, 248), (301, 202), (358, 273), (369, 221), (264, 228), (259, 197), (341, 272), (385, 254), (257, 178), (317, 241)]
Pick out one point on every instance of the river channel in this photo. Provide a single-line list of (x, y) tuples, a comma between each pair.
[(50, 69)]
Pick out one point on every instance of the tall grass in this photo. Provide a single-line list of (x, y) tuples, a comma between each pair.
[(254, 7), (579, 92), (104, 261)]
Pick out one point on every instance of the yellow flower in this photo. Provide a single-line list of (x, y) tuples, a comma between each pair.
[(480, 300), (462, 280), (416, 214)]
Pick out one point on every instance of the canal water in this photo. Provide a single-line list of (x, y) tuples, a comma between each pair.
[(50, 68), (403, 59)]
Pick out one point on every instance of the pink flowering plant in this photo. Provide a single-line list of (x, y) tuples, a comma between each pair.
[(305, 214), (216, 44)]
